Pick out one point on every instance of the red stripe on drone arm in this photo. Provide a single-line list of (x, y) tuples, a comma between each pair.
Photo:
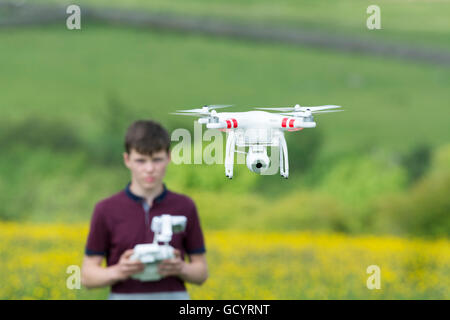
[(291, 123), (228, 124), (234, 123), (283, 123)]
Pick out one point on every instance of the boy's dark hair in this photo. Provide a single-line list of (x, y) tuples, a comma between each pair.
[(146, 137)]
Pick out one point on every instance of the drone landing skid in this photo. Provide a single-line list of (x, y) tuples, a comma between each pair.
[(230, 149), (284, 161), (229, 155)]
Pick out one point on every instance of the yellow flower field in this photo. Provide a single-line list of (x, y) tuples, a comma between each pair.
[(34, 261)]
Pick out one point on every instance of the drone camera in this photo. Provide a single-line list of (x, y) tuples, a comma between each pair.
[(257, 159)]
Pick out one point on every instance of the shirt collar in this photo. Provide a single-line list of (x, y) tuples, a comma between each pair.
[(139, 199)]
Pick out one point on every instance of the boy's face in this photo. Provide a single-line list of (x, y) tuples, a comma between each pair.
[(147, 171)]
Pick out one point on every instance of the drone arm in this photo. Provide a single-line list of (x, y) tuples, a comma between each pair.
[(300, 123), (296, 123), (217, 125)]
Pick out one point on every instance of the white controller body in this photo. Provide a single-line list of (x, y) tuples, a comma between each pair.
[(151, 254)]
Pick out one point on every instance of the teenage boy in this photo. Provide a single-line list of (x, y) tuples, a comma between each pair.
[(123, 220)]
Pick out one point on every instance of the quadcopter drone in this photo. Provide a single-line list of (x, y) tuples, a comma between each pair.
[(257, 130)]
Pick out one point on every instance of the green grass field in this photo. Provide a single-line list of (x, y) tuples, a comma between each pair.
[(419, 22), (57, 74)]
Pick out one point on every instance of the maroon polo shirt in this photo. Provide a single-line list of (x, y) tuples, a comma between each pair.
[(123, 220)]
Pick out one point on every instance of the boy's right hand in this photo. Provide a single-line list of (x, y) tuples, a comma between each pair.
[(126, 267)]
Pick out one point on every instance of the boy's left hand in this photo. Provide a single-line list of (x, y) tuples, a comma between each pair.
[(171, 267)]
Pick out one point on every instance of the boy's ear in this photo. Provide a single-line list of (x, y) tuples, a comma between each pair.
[(126, 158)]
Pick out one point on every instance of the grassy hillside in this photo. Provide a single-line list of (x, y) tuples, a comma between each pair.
[(416, 22), (73, 76)]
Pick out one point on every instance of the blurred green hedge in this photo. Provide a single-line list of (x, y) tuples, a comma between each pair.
[(50, 174)]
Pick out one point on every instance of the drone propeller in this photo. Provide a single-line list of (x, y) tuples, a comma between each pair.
[(301, 113), (298, 108), (188, 114), (326, 111), (276, 109), (204, 110)]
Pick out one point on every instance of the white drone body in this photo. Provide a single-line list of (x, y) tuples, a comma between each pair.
[(257, 130), (151, 254)]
